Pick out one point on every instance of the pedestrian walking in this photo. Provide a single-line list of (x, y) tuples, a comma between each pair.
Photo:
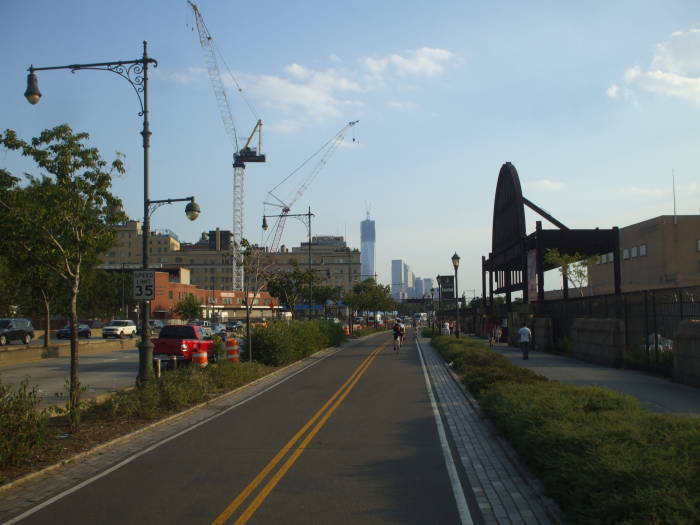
[(497, 334), (525, 336)]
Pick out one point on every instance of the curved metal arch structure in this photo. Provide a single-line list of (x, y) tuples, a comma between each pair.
[(516, 259)]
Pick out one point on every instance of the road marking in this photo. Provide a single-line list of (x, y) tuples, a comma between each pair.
[(322, 415), (128, 460), (462, 506)]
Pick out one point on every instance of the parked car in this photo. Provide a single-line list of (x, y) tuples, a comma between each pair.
[(156, 325), (16, 330), (234, 326), (219, 329), (119, 328), (182, 341), (83, 331)]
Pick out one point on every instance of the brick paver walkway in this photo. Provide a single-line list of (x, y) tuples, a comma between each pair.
[(504, 490)]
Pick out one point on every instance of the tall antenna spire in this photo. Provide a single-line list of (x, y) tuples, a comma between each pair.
[(673, 178)]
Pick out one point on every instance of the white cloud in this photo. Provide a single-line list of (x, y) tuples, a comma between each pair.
[(322, 94), (613, 91), (426, 61), (674, 69), (334, 58), (298, 71), (546, 185)]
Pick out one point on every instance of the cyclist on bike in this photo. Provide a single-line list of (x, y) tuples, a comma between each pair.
[(397, 331)]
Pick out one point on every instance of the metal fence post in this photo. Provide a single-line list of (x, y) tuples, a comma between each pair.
[(656, 333)]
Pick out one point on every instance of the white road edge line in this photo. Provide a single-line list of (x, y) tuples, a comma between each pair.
[(462, 506), (128, 460)]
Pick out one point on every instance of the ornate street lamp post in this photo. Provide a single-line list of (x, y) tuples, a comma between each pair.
[(455, 263), (136, 73)]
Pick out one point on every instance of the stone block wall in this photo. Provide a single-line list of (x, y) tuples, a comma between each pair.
[(542, 332), (599, 341), (686, 353)]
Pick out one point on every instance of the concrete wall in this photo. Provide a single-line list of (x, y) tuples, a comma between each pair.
[(15, 355), (599, 341), (686, 353)]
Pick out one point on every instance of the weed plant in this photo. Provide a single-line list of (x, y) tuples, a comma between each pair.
[(22, 425), (600, 455)]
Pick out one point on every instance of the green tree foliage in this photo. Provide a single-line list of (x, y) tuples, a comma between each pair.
[(291, 287), (188, 308), (370, 296), (64, 218), (573, 267)]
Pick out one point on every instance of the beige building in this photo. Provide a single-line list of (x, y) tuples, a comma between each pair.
[(663, 252), (209, 259), (331, 260)]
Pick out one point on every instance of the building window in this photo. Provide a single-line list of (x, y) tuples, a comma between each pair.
[(626, 253), (610, 257), (698, 246), (178, 259), (634, 251), (604, 258), (642, 250)]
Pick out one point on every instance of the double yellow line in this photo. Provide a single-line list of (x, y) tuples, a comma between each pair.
[(319, 418)]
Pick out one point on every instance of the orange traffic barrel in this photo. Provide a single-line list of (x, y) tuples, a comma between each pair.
[(199, 358), (347, 330), (232, 355)]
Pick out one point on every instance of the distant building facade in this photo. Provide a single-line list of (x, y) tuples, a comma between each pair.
[(367, 244), (662, 252)]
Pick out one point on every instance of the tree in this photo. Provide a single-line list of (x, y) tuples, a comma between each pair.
[(256, 268), (290, 286), (188, 308), (370, 296), (65, 217), (574, 268), (324, 293)]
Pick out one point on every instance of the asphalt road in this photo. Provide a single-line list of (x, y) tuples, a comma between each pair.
[(352, 439), (99, 374)]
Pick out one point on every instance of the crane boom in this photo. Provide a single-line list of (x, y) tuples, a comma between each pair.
[(240, 156), (207, 43), (328, 149)]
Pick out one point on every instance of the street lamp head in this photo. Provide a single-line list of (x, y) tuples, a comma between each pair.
[(192, 210), (264, 223), (33, 95), (455, 261)]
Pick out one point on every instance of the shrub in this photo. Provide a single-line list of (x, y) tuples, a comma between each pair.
[(282, 342), (22, 425), (600, 455)]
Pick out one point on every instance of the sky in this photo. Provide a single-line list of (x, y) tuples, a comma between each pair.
[(596, 103)]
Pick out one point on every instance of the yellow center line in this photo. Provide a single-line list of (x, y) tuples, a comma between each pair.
[(233, 506), (255, 504)]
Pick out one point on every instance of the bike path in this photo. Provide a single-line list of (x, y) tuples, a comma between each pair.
[(657, 394)]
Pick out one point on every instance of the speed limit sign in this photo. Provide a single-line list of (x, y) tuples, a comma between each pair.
[(144, 285)]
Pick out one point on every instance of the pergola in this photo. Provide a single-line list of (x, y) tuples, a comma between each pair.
[(516, 261)]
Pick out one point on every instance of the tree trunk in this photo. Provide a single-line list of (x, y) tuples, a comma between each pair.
[(47, 318), (74, 389), (248, 342)]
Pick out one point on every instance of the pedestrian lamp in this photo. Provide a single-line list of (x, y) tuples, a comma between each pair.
[(136, 73), (455, 263)]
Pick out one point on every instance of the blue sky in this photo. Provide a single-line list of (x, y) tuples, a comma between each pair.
[(595, 103)]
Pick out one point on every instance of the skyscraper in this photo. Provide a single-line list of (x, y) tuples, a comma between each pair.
[(397, 279), (367, 240)]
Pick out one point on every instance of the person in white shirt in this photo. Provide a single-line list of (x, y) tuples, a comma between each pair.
[(525, 336)]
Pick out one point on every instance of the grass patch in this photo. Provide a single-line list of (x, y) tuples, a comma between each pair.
[(600, 455)]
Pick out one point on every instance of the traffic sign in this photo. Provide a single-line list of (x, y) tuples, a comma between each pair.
[(144, 285)]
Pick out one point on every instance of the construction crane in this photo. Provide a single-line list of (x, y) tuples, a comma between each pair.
[(325, 153), (241, 156)]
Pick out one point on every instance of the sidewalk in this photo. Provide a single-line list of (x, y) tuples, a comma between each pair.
[(498, 486), (656, 393)]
